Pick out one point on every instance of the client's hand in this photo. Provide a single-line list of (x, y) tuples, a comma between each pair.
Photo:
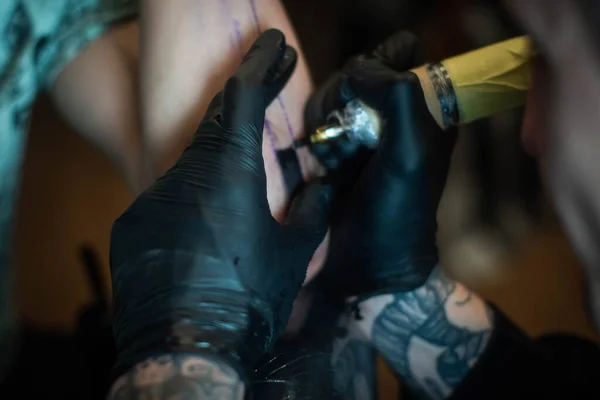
[(198, 263), (383, 232)]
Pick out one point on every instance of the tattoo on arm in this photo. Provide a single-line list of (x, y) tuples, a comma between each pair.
[(179, 376), (431, 336), (424, 341)]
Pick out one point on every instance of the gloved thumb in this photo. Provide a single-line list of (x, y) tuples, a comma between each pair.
[(308, 215), (401, 52)]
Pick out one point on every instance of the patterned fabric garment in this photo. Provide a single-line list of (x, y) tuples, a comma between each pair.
[(37, 39)]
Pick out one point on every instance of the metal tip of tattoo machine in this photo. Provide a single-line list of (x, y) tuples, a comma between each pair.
[(321, 135), (326, 133), (356, 122)]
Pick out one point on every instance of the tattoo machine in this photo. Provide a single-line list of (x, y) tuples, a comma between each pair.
[(457, 91)]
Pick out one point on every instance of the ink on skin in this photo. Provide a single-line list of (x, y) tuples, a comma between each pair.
[(238, 33), (279, 100), (291, 170), (237, 37), (255, 15), (287, 119), (270, 135)]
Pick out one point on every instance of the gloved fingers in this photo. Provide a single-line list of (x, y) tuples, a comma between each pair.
[(336, 153), (264, 71), (408, 126), (401, 52), (403, 147), (308, 215), (412, 138), (282, 74), (330, 97), (396, 97), (268, 63), (371, 81)]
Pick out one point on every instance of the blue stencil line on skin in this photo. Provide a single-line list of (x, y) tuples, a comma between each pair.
[(287, 158), (236, 38), (279, 100)]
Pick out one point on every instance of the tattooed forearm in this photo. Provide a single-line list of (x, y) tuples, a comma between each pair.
[(171, 377), (431, 336)]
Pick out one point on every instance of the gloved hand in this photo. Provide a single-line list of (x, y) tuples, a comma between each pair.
[(198, 263), (383, 228)]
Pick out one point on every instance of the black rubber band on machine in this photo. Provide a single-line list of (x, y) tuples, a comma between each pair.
[(290, 168)]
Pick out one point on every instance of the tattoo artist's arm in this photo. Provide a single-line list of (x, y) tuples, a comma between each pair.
[(431, 336), (179, 376)]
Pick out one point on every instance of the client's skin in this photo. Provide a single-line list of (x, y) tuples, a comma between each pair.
[(158, 76)]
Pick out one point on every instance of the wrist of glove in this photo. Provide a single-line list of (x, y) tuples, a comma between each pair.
[(189, 317)]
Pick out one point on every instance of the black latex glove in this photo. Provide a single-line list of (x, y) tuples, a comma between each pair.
[(384, 226), (198, 263)]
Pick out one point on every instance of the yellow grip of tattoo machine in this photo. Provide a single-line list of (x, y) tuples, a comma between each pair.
[(460, 89)]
